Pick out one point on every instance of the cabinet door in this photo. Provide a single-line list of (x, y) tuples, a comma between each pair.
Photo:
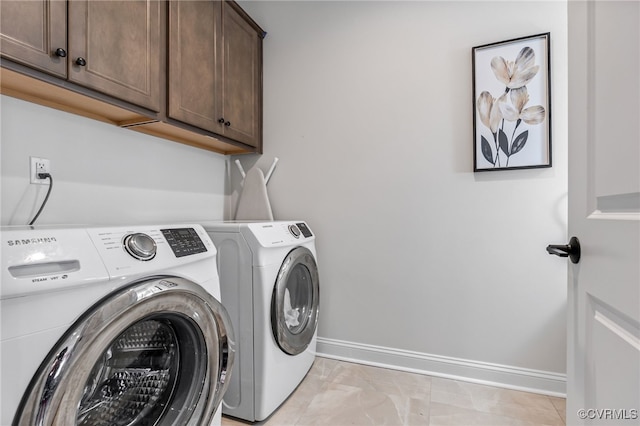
[(32, 31), (242, 77), (194, 58), (115, 47)]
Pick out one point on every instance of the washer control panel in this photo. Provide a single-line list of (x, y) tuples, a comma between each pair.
[(184, 241), (147, 249)]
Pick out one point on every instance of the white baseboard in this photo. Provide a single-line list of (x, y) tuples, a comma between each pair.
[(505, 376)]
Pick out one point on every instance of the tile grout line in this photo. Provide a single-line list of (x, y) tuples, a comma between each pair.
[(564, 420)]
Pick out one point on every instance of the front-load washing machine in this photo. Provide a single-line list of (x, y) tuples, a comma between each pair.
[(270, 287), (112, 326)]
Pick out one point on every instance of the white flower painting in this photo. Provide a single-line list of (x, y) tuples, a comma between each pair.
[(512, 121)]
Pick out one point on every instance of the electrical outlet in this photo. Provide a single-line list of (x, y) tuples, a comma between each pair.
[(39, 165)]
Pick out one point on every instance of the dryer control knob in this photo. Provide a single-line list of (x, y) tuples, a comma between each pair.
[(141, 246), (294, 231)]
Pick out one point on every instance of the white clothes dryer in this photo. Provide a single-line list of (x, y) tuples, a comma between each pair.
[(112, 325), (270, 287)]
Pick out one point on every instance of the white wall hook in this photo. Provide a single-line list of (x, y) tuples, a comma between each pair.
[(271, 169), (241, 169)]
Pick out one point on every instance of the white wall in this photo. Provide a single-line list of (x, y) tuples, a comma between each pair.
[(424, 264), (103, 175)]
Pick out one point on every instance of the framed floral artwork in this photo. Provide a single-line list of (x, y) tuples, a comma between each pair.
[(512, 104)]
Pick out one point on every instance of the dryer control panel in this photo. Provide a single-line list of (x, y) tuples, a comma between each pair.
[(272, 234), (296, 229), (306, 232)]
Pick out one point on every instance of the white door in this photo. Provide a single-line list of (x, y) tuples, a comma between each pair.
[(604, 213)]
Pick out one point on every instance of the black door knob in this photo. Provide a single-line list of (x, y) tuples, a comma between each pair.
[(571, 250), (81, 61), (221, 120), (60, 52), (227, 123)]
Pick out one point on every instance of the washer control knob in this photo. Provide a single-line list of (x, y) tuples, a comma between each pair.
[(294, 231), (141, 246)]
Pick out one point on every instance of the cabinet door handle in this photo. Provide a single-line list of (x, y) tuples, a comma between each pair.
[(221, 120), (227, 123), (60, 52), (81, 61)]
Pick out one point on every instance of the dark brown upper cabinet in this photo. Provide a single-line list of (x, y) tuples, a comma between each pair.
[(34, 33), (184, 70), (215, 69), (113, 47)]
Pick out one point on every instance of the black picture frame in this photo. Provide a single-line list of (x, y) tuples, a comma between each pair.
[(512, 104)]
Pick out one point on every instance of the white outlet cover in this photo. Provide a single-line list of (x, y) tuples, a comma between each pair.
[(33, 173)]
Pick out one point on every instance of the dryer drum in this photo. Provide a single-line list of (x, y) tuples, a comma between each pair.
[(155, 353), (295, 301)]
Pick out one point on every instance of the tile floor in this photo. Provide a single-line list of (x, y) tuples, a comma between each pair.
[(339, 393)]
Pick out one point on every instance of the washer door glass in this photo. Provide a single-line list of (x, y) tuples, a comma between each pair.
[(135, 379), (157, 352), (295, 300)]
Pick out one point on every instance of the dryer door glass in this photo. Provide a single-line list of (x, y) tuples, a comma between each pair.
[(298, 299), (295, 300)]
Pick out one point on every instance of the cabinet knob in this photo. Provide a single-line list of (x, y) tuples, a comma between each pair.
[(227, 123), (221, 120), (81, 61), (60, 52)]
